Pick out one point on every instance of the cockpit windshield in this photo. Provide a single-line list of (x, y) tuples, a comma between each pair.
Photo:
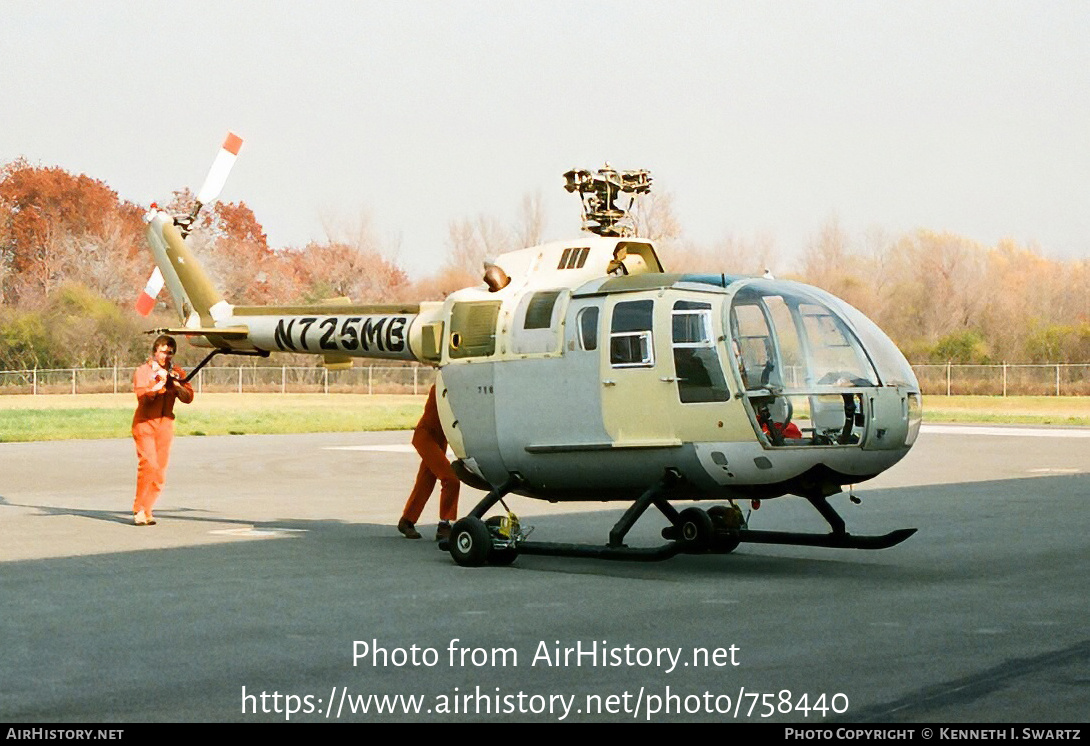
[(817, 372), (892, 366), (790, 340)]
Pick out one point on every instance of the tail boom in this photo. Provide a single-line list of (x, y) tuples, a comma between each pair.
[(337, 331), (350, 332)]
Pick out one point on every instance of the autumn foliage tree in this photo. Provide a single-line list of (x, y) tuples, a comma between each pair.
[(943, 297), (339, 270), (55, 225), (73, 257)]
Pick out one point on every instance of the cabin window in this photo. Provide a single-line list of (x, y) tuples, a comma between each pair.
[(696, 362), (539, 312), (537, 327), (630, 340), (692, 324), (588, 328)]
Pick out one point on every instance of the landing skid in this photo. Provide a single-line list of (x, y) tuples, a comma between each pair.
[(475, 542), (833, 541), (723, 543)]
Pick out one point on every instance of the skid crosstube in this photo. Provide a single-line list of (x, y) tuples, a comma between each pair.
[(591, 551)]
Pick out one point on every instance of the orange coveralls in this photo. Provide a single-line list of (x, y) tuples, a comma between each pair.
[(153, 431), (431, 443)]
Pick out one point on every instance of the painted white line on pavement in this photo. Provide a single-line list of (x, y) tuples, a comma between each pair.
[(1010, 432)]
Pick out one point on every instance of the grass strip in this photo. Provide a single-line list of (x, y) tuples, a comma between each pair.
[(64, 417), (231, 415)]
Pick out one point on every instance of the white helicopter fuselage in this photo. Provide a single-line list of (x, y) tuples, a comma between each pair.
[(589, 372), (592, 388), (580, 370)]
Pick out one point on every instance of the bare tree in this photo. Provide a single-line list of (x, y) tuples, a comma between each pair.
[(530, 229), (654, 218), (475, 241)]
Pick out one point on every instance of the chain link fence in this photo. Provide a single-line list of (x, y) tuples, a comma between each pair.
[(1054, 379), (371, 379), (1051, 379)]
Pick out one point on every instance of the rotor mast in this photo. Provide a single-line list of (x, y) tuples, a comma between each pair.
[(600, 191)]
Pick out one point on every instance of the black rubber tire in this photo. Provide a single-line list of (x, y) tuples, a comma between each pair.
[(726, 529), (503, 557), (725, 544), (695, 530), (470, 542)]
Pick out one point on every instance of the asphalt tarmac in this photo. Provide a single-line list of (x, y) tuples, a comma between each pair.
[(275, 570)]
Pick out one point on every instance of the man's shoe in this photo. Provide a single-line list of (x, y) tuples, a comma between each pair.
[(140, 519), (406, 527), (151, 520), (442, 531)]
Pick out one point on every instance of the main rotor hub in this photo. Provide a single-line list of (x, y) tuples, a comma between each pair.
[(599, 192)]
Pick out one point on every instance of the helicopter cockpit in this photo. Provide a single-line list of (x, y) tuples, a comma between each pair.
[(817, 372)]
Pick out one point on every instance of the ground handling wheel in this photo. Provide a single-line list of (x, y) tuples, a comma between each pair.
[(470, 542), (503, 557), (728, 521), (695, 530), (500, 556)]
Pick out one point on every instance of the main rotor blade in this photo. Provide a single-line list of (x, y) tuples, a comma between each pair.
[(221, 167)]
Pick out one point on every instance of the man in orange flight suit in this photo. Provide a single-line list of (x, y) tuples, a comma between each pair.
[(431, 443), (156, 383)]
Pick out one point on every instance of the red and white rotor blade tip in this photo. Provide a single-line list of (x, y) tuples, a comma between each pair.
[(146, 302), (221, 167)]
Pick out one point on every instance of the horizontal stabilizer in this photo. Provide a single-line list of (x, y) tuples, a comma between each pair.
[(336, 362)]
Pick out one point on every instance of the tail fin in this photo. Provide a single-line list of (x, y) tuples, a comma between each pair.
[(195, 297)]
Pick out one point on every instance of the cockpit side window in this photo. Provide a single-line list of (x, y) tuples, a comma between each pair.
[(630, 338), (588, 328), (696, 362), (790, 342), (752, 344)]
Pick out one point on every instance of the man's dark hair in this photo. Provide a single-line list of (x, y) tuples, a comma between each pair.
[(167, 340)]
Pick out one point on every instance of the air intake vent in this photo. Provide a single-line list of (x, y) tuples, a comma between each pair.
[(473, 329)]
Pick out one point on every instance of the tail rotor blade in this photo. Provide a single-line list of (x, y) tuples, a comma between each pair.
[(146, 302), (221, 167)]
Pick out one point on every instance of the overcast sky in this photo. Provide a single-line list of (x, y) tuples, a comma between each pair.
[(758, 117)]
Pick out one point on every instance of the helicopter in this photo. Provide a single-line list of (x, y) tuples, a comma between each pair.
[(581, 370)]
